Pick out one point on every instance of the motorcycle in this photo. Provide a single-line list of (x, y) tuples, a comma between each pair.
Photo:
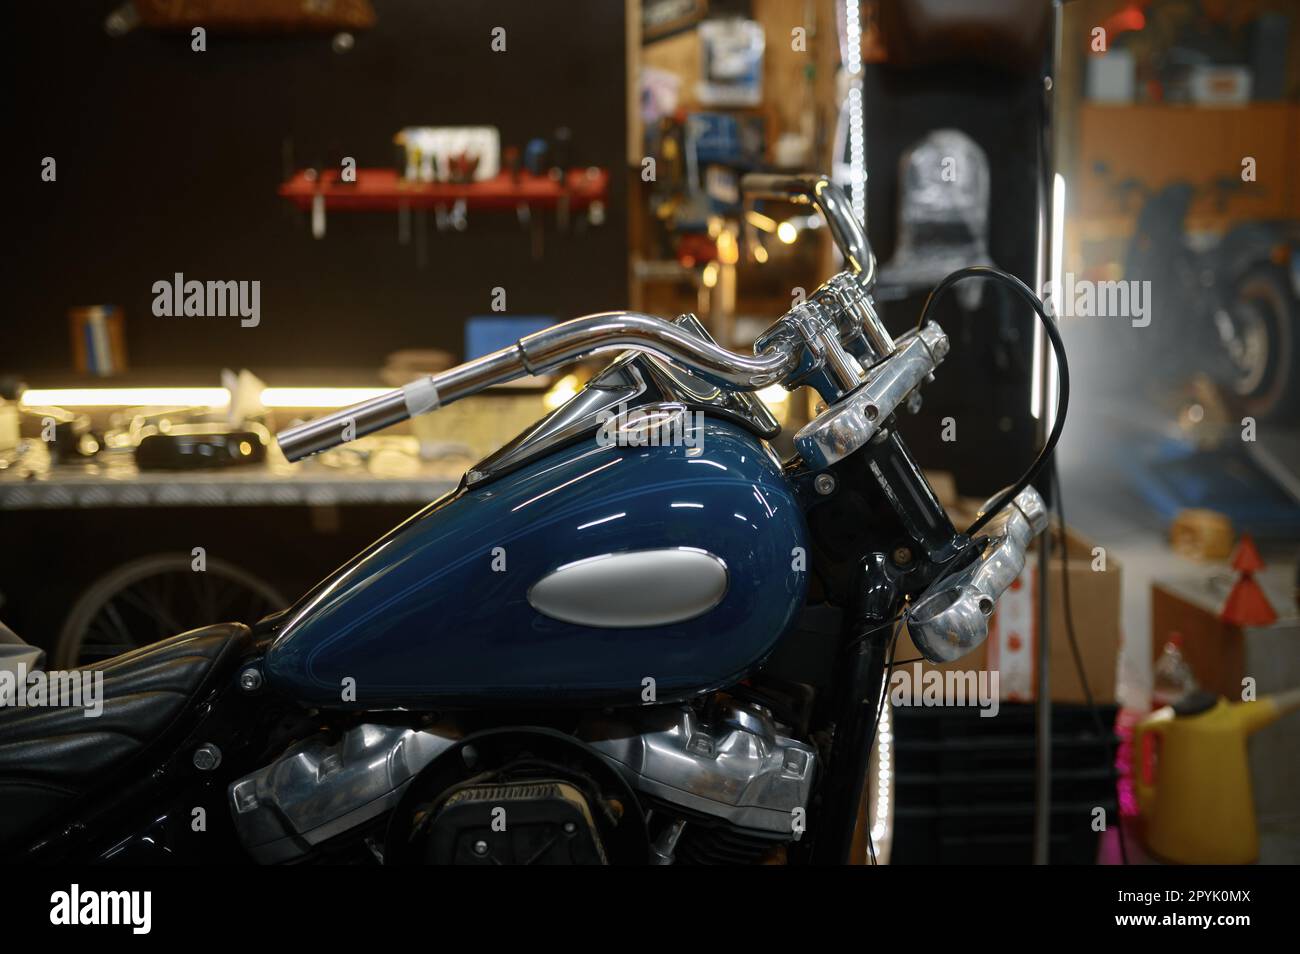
[(1231, 310), (633, 635)]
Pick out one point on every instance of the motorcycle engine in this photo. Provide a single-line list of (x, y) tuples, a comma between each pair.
[(550, 822), (728, 787), (665, 784)]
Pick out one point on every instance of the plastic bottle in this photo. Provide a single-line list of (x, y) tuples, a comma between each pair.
[(1172, 678)]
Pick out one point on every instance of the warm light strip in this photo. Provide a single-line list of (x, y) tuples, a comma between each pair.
[(192, 397), (1058, 265), (318, 397), (1056, 255), (125, 397)]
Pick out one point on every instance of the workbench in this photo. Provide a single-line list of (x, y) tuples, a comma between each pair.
[(32, 482)]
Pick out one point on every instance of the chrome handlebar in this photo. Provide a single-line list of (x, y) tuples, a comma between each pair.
[(827, 198), (837, 329), (540, 353), (850, 237), (571, 341)]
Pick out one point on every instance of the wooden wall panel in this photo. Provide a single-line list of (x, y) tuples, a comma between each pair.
[(1160, 144)]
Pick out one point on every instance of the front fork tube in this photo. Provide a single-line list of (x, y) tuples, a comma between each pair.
[(903, 483), (881, 583), (868, 632)]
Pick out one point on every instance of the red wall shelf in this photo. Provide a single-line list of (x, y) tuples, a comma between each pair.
[(383, 190)]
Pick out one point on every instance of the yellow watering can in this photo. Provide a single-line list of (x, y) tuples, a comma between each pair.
[(1193, 779)]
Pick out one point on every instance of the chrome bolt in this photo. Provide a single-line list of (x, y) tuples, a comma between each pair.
[(824, 484), (207, 757), (250, 680), (480, 847), (880, 436), (570, 828)]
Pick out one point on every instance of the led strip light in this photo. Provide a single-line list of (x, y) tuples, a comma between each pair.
[(857, 136), (883, 778)]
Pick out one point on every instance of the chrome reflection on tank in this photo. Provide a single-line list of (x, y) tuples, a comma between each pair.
[(320, 788), (737, 766), (641, 588)]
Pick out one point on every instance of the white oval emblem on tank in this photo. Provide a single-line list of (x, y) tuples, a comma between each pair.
[(641, 588)]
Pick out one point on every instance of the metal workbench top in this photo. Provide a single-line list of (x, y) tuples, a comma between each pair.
[(391, 474)]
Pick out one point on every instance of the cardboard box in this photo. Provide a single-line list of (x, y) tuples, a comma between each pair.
[(1215, 651), (1221, 654), (1010, 649)]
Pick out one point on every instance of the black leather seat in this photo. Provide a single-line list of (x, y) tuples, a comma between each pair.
[(50, 757)]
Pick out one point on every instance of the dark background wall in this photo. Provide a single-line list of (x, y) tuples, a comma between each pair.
[(169, 160), (984, 382)]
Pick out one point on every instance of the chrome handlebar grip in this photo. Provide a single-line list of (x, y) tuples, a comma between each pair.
[(827, 198), (331, 430), (539, 353), (952, 616), (420, 396)]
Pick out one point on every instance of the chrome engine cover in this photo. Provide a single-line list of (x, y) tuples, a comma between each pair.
[(737, 767), (318, 788)]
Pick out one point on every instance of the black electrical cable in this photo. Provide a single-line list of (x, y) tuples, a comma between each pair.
[(1107, 738), (1062, 381), (858, 640), (1062, 405)]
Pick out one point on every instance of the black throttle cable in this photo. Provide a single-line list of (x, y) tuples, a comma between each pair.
[(1062, 381), (1063, 400)]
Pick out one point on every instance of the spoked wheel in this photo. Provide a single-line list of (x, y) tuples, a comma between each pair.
[(155, 597)]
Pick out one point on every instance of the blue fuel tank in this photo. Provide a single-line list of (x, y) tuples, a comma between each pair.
[(572, 580)]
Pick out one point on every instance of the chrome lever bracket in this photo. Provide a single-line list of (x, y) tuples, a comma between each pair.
[(812, 331), (951, 617), (853, 421)]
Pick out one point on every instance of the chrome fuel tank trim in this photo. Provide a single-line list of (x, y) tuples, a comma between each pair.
[(642, 588)]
